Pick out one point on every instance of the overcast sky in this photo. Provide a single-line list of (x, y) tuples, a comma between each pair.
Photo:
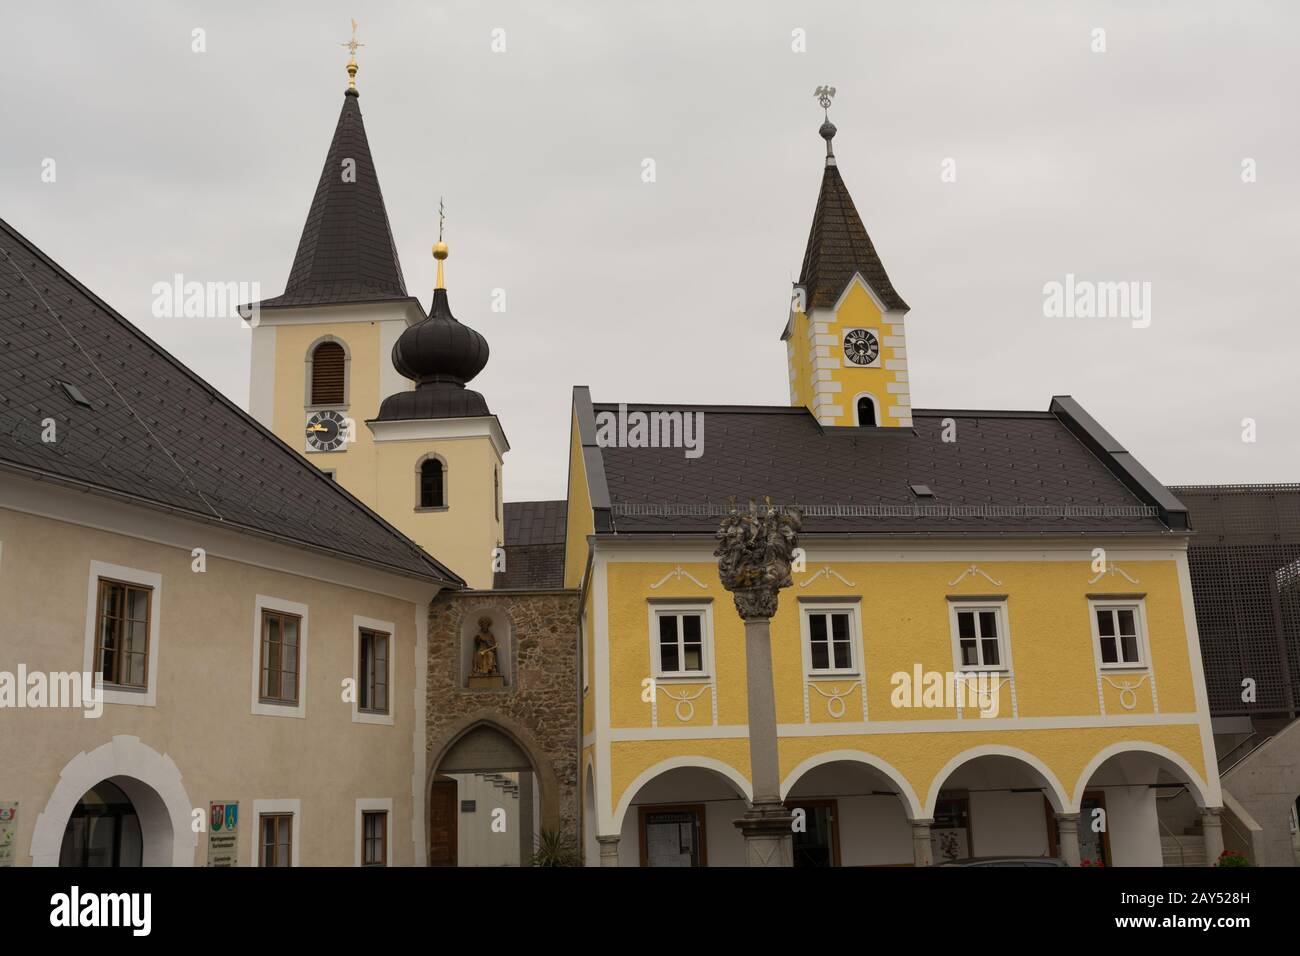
[(1123, 165)]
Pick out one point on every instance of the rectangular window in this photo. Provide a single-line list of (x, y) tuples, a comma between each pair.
[(374, 829), (981, 637), (276, 847), (279, 662), (1118, 635), (830, 640), (122, 634), (372, 672), (681, 642)]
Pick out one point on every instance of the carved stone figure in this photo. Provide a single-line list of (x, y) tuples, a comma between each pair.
[(754, 554), (485, 651)]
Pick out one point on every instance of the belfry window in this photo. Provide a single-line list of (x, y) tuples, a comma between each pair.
[(867, 412), (432, 484), (327, 375)]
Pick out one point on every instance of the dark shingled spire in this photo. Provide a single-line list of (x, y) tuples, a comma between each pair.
[(838, 244), (346, 253)]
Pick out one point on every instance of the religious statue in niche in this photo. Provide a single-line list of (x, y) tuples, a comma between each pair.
[(485, 670)]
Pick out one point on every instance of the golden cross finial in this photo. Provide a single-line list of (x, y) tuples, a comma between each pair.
[(440, 247), (442, 217), (352, 46)]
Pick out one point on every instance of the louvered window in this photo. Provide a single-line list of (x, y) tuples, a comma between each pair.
[(327, 374)]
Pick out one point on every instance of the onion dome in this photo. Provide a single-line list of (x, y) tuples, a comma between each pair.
[(440, 355)]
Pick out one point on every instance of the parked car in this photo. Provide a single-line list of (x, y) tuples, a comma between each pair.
[(1006, 861)]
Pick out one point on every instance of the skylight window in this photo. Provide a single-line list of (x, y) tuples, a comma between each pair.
[(74, 393), (922, 491)]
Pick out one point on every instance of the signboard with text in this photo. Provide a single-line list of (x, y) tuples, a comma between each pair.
[(223, 834)]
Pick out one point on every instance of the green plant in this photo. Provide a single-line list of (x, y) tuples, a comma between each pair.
[(1232, 858), (554, 849)]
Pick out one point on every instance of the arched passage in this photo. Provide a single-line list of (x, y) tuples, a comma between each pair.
[(150, 781), (857, 811), (1140, 804), (993, 801), (680, 812), (491, 792)]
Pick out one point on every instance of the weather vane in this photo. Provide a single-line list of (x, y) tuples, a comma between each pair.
[(353, 44), (824, 96)]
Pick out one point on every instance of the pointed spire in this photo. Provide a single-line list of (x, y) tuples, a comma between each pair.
[(346, 252), (838, 244)]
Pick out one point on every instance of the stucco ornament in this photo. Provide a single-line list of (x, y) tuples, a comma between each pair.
[(754, 553)]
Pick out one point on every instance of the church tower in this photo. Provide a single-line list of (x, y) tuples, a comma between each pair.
[(845, 337), (348, 369)]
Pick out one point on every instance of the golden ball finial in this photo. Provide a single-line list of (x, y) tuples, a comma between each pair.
[(440, 250)]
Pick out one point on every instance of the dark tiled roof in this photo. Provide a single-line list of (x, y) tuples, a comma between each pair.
[(156, 433), (346, 253), (534, 545), (838, 246), (1007, 473)]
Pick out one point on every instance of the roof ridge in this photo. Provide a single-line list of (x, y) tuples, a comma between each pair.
[(216, 395)]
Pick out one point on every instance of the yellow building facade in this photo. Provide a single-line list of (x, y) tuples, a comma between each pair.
[(989, 648)]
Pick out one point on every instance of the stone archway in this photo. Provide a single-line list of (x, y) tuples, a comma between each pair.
[(489, 744), (149, 779)]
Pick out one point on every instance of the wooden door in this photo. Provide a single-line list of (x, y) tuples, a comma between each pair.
[(443, 813)]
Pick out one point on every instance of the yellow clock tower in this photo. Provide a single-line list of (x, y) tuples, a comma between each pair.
[(845, 337), (349, 369)]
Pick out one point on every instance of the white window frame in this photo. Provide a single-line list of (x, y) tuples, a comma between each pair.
[(705, 610), (261, 807), (977, 604), (373, 804), (852, 609), (359, 624), (150, 579), (265, 603), (1120, 602)]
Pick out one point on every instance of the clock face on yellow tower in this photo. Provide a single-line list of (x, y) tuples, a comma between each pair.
[(861, 347), (327, 430)]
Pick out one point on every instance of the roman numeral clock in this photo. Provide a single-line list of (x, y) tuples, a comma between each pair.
[(861, 347), (327, 430)]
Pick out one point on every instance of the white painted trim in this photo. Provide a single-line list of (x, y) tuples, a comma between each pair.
[(123, 756), (1200, 790), (262, 374), (405, 310), (857, 653), (1056, 794), (1138, 605), (261, 603), (674, 763), (260, 807), (860, 280), (384, 627), (391, 381), (924, 550), (373, 803), (865, 729), (1004, 636), (1213, 792), (905, 791), (442, 429), (151, 579), (704, 608), (604, 769)]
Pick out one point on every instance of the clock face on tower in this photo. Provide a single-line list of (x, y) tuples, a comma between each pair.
[(861, 347), (327, 430)]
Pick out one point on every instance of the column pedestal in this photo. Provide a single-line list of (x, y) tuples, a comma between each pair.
[(1212, 827), (922, 848), (1067, 828), (608, 850)]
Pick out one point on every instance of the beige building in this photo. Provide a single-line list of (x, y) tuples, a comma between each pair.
[(261, 634)]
